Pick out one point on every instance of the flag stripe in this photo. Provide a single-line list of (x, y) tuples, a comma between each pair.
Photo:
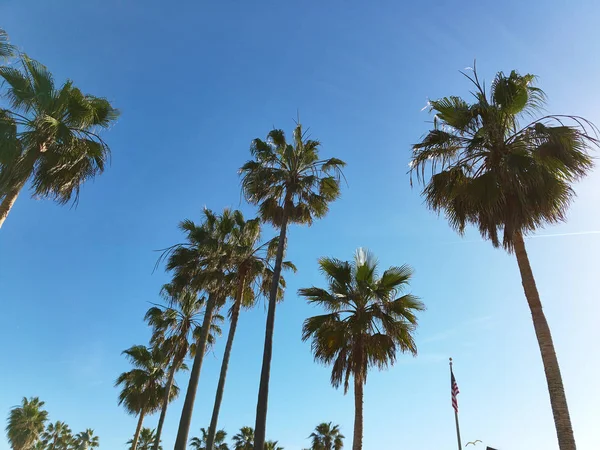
[(455, 391)]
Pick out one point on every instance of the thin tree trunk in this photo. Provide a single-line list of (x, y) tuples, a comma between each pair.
[(136, 436), (9, 200), (190, 396), (558, 399), (163, 412), (358, 413), (235, 314), (260, 427)]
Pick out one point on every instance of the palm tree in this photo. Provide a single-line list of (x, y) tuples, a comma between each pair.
[(26, 423), (177, 328), (291, 185), (272, 445), (57, 436), (251, 274), (244, 440), (506, 179), (6, 49), (202, 443), (143, 388), (148, 439), (201, 264), (86, 440), (327, 437), (50, 136), (368, 321)]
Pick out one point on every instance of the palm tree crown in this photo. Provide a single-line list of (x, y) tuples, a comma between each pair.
[(199, 443), (50, 135), (146, 440), (86, 440), (327, 437), (244, 440), (6, 49), (26, 423), (57, 436), (489, 171)]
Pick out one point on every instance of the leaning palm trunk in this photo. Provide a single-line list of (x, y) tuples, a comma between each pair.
[(136, 436), (235, 314), (190, 396), (163, 412), (260, 426), (558, 399), (358, 413), (9, 200)]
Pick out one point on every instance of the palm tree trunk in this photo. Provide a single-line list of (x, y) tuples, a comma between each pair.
[(558, 399), (358, 413), (136, 436), (190, 396), (9, 200), (260, 427), (235, 314), (163, 412)]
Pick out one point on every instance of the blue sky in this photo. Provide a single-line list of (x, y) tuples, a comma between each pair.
[(196, 81)]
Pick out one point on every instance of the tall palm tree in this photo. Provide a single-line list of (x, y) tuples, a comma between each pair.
[(327, 437), (201, 264), (6, 49), (143, 387), (251, 274), (25, 423), (148, 439), (50, 136), (244, 440), (291, 184), (57, 436), (202, 442), (177, 327), (369, 319), (508, 180), (85, 440)]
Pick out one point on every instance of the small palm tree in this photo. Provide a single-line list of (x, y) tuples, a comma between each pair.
[(251, 274), (327, 437), (147, 440), (25, 424), (291, 184), (507, 180), (86, 440), (57, 436), (6, 49), (202, 442), (368, 321), (272, 445), (177, 327), (244, 440), (50, 136), (143, 388)]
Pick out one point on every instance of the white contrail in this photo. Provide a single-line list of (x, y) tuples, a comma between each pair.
[(577, 233)]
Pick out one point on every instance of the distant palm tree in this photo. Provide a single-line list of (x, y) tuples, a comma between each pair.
[(147, 440), (327, 437), (508, 180), (201, 443), (143, 388), (6, 49), (244, 440), (177, 328), (86, 440), (251, 275), (201, 264), (25, 424), (57, 436), (291, 184), (50, 136), (368, 321), (272, 445)]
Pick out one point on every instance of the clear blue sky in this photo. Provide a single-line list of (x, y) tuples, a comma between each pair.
[(196, 81)]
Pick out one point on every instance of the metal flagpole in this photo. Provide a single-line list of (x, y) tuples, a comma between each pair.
[(452, 383)]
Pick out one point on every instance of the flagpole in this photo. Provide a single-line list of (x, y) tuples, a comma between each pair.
[(456, 417)]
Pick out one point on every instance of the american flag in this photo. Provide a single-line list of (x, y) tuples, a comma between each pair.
[(455, 391)]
